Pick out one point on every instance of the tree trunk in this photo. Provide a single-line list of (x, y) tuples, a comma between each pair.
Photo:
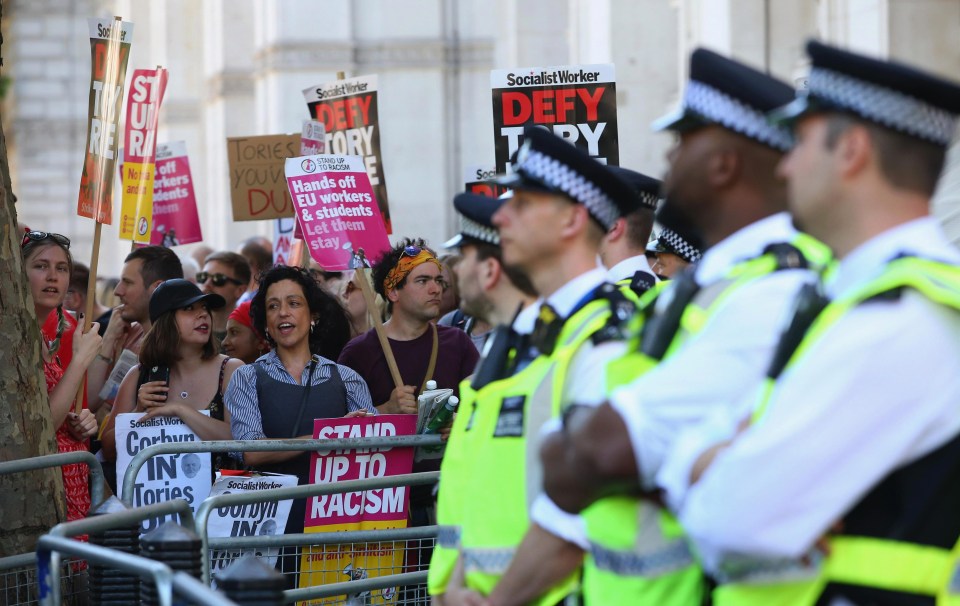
[(30, 503)]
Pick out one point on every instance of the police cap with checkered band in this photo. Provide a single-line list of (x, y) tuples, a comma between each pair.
[(647, 189), (893, 95), (547, 163), (677, 243), (730, 94), (476, 220)]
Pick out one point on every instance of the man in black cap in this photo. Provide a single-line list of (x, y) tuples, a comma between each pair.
[(859, 435), (672, 253), (497, 294), (623, 249), (551, 229), (706, 343)]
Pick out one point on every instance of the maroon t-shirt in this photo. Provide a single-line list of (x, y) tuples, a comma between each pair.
[(456, 360)]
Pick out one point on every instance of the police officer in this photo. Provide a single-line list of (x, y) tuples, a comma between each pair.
[(673, 250), (499, 295), (857, 445), (563, 204), (707, 341), (623, 249)]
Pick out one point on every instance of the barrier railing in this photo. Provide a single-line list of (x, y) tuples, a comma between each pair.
[(49, 548), (48, 564), (309, 445), (58, 460)]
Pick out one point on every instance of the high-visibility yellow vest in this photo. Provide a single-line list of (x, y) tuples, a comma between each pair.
[(450, 490), (638, 551), (869, 562), (504, 472)]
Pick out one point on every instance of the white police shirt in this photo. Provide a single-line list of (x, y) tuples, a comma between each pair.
[(718, 367), (625, 270), (878, 390)]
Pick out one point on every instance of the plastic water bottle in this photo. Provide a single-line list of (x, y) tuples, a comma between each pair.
[(431, 385)]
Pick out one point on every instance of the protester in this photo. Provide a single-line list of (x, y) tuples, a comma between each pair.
[(226, 274), (200, 253), (450, 300), (76, 300), (282, 392), (258, 251), (48, 264), (350, 295), (243, 341), (180, 340), (190, 269), (622, 251)]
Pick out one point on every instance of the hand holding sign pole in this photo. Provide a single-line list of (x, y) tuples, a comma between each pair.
[(341, 222)]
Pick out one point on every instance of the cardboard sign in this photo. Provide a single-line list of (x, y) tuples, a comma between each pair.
[(348, 111), (575, 102), (109, 50), (164, 477), (175, 217), (337, 210), (258, 189), (477, 180), (140, 142), (252, 519), (372, 509)]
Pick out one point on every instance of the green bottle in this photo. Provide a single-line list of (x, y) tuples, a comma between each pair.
[(443, 417)]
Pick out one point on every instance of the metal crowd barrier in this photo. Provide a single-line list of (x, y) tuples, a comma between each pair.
[(12, 567), (57, 541)]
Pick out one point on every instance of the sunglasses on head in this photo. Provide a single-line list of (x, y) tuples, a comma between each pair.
[(217, 279), (411, 251), (40, 236)]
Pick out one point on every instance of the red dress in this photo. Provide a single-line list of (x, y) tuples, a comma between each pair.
[(76, 477)]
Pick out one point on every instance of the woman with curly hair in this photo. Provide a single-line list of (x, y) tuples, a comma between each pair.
[(282, 392)]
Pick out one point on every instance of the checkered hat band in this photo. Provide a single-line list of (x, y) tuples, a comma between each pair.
[(478, 231), (883, 105), (559, 176), (649, 200), (682, 248), (735, 114)]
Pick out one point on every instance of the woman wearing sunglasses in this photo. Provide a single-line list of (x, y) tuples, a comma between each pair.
[(181, 372), (48, 263)]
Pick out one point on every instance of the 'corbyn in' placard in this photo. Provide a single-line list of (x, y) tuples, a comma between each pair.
[(334, 201), (575, 102)]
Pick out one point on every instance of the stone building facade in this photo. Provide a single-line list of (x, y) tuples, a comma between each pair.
[(237, 68)]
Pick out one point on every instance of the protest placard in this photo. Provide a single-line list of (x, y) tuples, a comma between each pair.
[(109, 50), (575, 102), (283, 241), (336, 209), (367, 510), (175, 217), (258, 189), (478, 180), (348, 111), (164, 477), (252, 519), (140, 141)]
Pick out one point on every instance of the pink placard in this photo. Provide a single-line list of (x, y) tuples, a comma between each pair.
[(336, 208), (175, 218), (381, 505)]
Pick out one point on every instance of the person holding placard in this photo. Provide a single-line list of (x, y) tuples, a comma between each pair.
[(180, 372), (48, 263)]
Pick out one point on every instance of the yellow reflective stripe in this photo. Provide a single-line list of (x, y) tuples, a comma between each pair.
[(888, 565), (764, 397)]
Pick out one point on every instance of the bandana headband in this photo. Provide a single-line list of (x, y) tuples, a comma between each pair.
[(242, 315), (405, 265)]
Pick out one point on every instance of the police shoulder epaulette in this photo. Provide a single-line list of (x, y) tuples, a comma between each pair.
[(622, 309), (787, 256), (642, 282)]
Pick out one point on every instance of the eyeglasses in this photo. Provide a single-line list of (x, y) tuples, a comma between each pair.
[(411, 251), (40, 236), (217, 279)]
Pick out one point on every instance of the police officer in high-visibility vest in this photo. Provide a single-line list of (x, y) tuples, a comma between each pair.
[(705, 343), (842, 486), (563, 204), (623, 250), (501, 296), (673, 250)]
